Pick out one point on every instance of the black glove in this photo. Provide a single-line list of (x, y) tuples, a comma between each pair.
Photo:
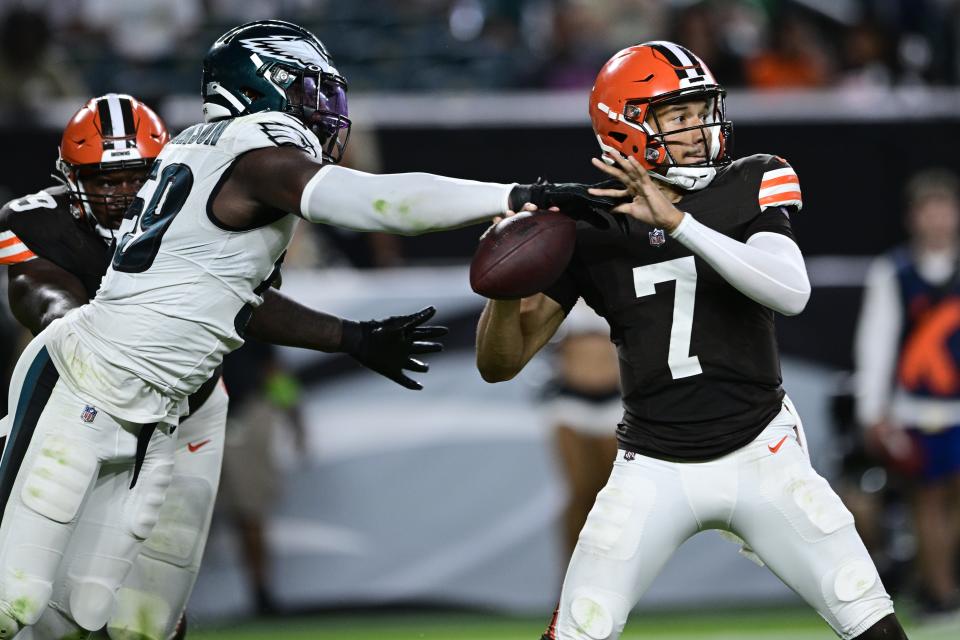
[(572, 198), (386, 346)]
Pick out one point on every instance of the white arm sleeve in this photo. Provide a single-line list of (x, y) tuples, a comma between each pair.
[(877, 342), (768, 268), (404, 203)]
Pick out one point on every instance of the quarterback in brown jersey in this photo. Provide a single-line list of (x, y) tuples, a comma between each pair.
[(688, 270)]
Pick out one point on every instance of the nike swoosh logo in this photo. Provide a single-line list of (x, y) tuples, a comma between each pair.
[(773, 448), (194, 447)]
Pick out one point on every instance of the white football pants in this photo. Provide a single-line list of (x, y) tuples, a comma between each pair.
[(58, 447), (154, 595), (767, 493)]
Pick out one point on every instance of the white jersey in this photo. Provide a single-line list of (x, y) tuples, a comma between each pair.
[(181, 285)]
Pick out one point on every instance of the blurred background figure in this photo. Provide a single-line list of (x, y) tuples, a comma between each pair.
[(32, 71), (908, 376), (582, 403), (868, 58), (263, 396), (148, 42), (794, 58)]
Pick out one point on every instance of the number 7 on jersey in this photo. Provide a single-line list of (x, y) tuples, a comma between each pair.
[(684, 272)]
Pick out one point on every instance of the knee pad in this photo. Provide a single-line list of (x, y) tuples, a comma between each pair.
[(140, 616), (183, 522), (855, 597), (92, 581), (146, 499), (59, 477), (594, 614)]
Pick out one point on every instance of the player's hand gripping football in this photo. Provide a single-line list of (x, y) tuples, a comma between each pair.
[(388, 346), (648, 203)]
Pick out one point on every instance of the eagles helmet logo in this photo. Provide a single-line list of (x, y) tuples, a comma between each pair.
[(288, 49), (287, 135)]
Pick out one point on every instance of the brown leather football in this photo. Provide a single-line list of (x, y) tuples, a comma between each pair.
[(523, 254)]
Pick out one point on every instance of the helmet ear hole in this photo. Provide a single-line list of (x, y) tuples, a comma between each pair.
[(619, 136)]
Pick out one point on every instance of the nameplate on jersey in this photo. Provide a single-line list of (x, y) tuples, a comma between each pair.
[(207, 134)]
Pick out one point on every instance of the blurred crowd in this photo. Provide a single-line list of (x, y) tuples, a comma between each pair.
[(152, 47)]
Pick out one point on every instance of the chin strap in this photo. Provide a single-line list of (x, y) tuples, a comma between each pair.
[(687, 178)]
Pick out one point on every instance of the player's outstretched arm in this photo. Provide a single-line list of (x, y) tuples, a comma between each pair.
[(386, 346), (511, 332), (40, 292), (289, 180)]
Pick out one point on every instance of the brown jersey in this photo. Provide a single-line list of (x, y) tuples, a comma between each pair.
[(699, 366), (43, 225)]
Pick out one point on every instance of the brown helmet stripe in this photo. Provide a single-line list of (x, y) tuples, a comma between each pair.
[(106, 121)]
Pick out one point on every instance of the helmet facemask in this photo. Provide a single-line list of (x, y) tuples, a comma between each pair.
[(319, 100), (715, 134), (98, 210)]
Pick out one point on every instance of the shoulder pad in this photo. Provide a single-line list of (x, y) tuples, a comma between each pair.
[(269, 129), (20, 210), (23, 218), (777, 184)]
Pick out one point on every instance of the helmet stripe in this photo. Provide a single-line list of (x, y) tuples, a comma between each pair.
[(126, 110), (683, 58), (106, 120), (671, 58), (694, 60)]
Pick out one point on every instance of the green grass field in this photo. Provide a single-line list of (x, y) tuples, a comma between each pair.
[(775, 624)]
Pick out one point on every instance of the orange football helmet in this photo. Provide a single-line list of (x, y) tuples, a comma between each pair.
[(649, 74), (109, 133)]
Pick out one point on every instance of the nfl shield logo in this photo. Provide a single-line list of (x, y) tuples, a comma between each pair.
[(88, 414), (629, 455), (657, 238)]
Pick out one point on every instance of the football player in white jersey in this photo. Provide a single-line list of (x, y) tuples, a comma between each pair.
[(105, 386), (56, 247)]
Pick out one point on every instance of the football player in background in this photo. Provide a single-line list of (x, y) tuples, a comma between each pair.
[(56, 245), (195, 255), (689, 272), (908, 376)]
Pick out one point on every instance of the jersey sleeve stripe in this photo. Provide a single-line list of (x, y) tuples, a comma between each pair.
[(13, 248), (8, 240), (772, 182), (780, 188), (23, 256), (785, 198), (777, 173)]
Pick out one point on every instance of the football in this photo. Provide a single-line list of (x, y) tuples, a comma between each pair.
[(522, 255)]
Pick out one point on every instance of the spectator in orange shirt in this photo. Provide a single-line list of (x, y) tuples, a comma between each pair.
[(793, 61)]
